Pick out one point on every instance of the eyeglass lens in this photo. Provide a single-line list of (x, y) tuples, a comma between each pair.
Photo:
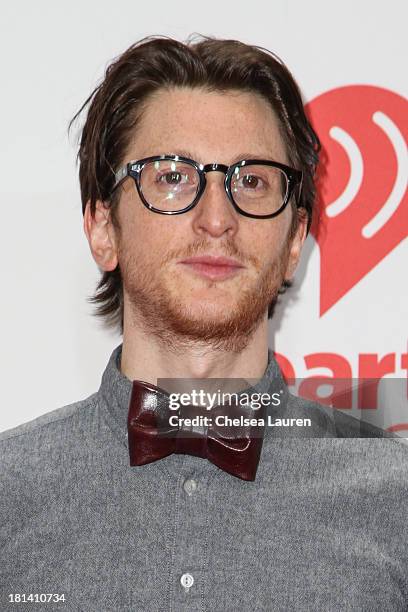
[(170, 185)]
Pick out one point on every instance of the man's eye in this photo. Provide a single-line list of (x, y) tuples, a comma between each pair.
[(250, 181), (171, 178)]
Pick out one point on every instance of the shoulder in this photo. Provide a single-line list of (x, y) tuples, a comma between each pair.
[(332, 422), (46, 432), (43, 460), (44, 456), (343, 444)]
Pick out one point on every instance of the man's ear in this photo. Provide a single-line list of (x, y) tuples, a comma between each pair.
[(296, 245), (101, 236)]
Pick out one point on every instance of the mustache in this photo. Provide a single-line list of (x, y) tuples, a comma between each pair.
[(203, 247)]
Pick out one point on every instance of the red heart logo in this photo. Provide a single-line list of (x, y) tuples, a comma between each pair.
[(361, 208)]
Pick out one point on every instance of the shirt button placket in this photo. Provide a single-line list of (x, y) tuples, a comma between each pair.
[(190, 551)]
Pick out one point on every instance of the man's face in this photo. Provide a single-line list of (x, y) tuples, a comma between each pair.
[(174, 299)]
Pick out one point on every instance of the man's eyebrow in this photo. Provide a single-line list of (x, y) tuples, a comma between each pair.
[(238, 157)]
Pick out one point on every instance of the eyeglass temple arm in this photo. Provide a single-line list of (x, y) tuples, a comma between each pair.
[(299, 186), (121, 174)]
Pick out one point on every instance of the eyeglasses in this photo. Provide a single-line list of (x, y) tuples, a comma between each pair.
[(172, 184)]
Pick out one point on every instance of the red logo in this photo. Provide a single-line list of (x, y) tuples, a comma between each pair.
[(362, 211)]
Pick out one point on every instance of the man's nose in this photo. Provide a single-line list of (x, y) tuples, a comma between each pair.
[(214, 213)]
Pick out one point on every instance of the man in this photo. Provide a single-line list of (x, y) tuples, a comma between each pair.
[(196, 172)]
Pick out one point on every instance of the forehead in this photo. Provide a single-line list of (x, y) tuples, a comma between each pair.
[(211, 126)]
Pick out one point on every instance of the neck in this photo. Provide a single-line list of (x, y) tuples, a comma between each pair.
[(147, 357)]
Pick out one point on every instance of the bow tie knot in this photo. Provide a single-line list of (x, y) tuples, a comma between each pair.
[(156, 431)]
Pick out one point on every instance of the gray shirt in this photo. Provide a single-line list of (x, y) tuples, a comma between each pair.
[(323, 527)]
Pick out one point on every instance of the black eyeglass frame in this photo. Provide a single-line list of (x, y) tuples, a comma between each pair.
[(134, 170)]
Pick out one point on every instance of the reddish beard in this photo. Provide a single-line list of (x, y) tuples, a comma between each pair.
[(153, 307)]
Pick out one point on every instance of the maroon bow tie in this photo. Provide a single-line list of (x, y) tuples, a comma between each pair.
[(234, 448)]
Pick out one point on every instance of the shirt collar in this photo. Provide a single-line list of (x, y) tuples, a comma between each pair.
[(115, 391)]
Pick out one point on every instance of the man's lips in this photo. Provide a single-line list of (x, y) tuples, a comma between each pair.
[(213, 267)]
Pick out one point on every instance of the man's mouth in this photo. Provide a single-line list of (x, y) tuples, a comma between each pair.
[(213, 267)]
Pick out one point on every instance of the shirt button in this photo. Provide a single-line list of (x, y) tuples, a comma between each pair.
[(190, 486), (187, 581)]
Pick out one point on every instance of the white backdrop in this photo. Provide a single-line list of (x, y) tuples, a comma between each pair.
[(53, 54)]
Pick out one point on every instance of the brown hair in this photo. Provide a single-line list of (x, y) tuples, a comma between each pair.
[(157, 62)]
